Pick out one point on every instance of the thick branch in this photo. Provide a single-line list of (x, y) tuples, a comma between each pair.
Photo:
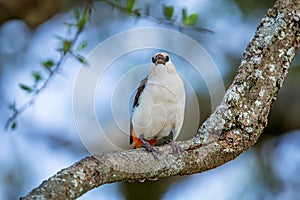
[(233, 128)]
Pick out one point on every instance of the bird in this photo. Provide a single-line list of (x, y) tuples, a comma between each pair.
[(158, 107)]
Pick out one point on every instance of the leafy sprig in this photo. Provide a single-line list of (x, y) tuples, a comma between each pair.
[(168, 16), (67, 46), (40, 82)]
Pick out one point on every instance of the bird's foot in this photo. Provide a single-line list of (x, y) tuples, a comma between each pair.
[(175, 148), (151, 149)]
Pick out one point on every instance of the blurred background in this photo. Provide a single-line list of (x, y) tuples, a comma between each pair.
[(46, 140)]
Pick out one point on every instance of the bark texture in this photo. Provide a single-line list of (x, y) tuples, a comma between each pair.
[(32, 12), (233, 128)]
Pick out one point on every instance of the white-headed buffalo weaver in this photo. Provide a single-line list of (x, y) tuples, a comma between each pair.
[(158, 107)]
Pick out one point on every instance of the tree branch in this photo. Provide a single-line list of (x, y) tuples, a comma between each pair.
[(233, 128)]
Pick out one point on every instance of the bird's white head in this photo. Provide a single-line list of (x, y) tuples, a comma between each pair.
[(162, 61), (161, 58)]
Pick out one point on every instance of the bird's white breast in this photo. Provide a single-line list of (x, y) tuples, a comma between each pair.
[(161, 104)]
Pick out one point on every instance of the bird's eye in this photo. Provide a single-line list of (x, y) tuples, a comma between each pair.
[(153, 59), (167, 58)]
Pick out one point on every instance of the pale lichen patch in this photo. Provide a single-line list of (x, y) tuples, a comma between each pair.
[(262, 93), (217, 145), (214, 124), (257, 103), (256, 59), (228, 150), (57, 179), (259, 74), (281, 53), (244, 118), (75, 183), (241, 88), (236, 131), (228, 114), (40, 197), (80, 174), (72, 193), (290, 51), (245, 114), (243, 62), (268, 38), (273, 80), (249, 129), (197, 140), (272, 68), (233, 96)]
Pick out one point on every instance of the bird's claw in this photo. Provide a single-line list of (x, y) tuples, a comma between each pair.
[(175, 148), (151, 150)]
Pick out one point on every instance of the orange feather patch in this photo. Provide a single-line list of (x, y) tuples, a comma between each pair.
[(137, 142)]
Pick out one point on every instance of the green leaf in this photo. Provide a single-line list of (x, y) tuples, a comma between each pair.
[(66, 46), (13, 125), (129, 5), (193, 18), (48, 64), (168, 12), (37, 76), (83, 20), (25, 88), (189, 20), (85, 17), (80, 58), (76, 14), (81, 46)]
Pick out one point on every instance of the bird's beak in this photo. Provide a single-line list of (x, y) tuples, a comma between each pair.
[(159, 59)]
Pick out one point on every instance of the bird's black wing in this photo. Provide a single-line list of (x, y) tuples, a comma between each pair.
[(136, 103)]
